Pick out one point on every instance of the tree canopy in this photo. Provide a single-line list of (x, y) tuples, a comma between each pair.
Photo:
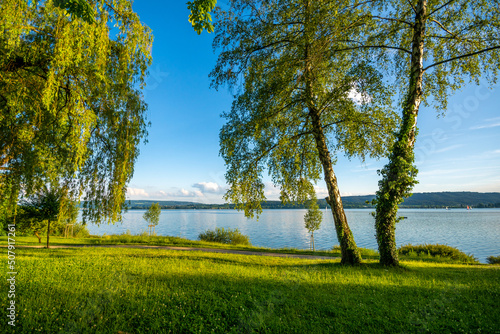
[(432, 48), (71, 109), (152, 216), (46, 206), (313, 217), (298, 102)]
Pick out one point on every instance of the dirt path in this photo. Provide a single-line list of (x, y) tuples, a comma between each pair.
[(211, 250)]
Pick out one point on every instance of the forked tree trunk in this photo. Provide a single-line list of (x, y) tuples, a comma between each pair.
[(399, 174), (39, 237), (349, 251)]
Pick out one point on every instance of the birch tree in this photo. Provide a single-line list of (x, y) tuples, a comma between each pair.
[(294, 109), (432, 48), (313, 217)]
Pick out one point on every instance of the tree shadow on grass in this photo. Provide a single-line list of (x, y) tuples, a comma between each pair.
[(286, 300)]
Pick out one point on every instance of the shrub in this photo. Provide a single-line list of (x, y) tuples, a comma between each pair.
[(493, 259), (225, 236), (81, 231), (443, 251)]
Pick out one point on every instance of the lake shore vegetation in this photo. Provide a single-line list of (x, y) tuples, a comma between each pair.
[(225, 236)]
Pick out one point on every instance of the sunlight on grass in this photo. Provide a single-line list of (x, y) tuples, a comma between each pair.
[(108, 290)]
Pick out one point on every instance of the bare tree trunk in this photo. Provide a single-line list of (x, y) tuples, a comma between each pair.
[(48, 233), (314, 248), (399, 174), (349, 250)]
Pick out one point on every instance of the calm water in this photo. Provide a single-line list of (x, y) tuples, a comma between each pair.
[(476, 232)]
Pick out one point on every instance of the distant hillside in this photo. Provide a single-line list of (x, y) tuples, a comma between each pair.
[(418, 200), (145, 204), (453, 199)]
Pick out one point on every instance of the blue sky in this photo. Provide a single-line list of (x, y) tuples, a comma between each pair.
[(457, 152)]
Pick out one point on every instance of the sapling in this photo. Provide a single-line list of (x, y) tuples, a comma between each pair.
[(313, 217)]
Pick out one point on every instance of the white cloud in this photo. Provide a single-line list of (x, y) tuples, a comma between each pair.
[(209, 187), (320, 192), (485, 126), (176, 193), (271, 192), (358, 97), (137, 192), (449, 148), (186, 193)]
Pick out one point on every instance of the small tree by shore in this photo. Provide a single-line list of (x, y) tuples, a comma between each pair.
[(313, 217), (43, 207)]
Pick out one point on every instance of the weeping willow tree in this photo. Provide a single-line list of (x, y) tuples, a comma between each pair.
[(71, 109), (295, 108)]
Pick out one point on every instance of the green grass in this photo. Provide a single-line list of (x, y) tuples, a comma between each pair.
[(107, 290), (128, 239)]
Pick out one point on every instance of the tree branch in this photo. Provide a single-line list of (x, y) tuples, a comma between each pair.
[(462, 56), (439, 8), (412, 7), (443, 27), (377, 47), (391, 19)]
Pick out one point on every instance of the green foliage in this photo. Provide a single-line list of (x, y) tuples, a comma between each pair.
[(440, 46), (271, 127), (71, 111), (157, 291), (493, 259), (45, 205), (200, 17), (152, 216), (225, 236), (77, 8), (294, 109), (49, 203), (313, 216), (437, 250)]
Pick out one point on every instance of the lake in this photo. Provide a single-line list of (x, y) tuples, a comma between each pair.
[(474, 232)]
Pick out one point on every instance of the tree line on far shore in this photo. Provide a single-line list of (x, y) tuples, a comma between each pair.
[(418, 200)]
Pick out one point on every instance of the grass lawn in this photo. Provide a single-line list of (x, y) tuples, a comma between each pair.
[(107, 290), (128, 239)]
